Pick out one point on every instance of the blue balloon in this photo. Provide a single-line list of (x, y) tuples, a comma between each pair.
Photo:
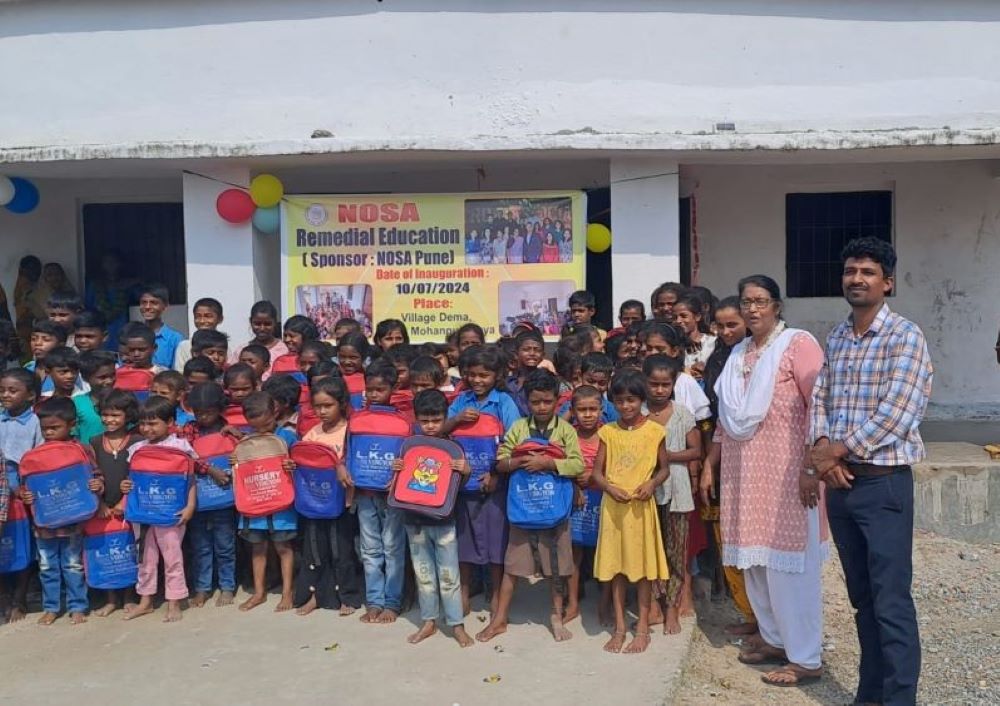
[(25, 196), (267, 220)]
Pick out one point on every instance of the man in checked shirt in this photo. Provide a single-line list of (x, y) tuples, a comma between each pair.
[(868, 401)]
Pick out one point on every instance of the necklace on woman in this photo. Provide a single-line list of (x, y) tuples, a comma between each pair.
[(771, 338)]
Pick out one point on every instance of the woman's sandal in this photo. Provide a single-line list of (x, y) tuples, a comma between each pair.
[(799, 676)]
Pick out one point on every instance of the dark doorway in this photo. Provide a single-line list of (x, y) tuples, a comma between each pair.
[(148, 236), (685, 240)]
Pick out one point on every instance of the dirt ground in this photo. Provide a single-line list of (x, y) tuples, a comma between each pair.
[(221, 656), (959, 615)]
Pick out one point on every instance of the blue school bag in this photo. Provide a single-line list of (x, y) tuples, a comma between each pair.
[(318, 493), (138, 381), (15, 542), (538, 501), (160, 480), (216, 450), (480, 441), (585, 521), (110, 557), (57, 473), (376, 436)]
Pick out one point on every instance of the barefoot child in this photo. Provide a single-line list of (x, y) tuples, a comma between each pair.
[(213, 532), (631, 463), (586, 410), (278, 529), (433, 543), (383, 539), (60, 550), (673, 498), (19, 433), (156, 417), (481, 518), (329, 573), (554, 547), (119, 411)]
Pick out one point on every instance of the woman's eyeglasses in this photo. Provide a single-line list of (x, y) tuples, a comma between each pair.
[(748, 304)]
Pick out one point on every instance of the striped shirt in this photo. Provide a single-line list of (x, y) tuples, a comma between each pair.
[(873, 390)]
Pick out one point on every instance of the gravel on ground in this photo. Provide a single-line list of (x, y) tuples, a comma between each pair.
[(958, 609)]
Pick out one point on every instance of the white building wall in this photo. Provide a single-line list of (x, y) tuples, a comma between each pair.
[(947, 236), (228, 78)]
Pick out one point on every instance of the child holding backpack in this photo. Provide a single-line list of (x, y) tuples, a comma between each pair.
[(329, 575), (553, 546), (481, 515), (213, 530), (279, 528), (156, 418), (119, 411), (433, 542), (60, 549), (383, 539), (19, 433)]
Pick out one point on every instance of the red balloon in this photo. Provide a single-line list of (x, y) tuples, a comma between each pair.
[(235, 206)]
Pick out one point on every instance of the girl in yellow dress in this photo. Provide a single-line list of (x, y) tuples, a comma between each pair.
[(631, 463)]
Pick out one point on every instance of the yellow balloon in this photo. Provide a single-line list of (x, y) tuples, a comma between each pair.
[(266, 190), (598, 237)]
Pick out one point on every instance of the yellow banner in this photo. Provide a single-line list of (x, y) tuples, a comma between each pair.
[(434, 261)]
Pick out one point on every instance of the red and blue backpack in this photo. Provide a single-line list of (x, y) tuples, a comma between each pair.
[(215, 450), (375, 439), (356, 389), (138, 381), (15, 541), (318, 493), (110, 557), (538, 501), (57, 473), (427, 485), (261, 485), (480, 441), (233, 416), (287, 363), (161, 477)]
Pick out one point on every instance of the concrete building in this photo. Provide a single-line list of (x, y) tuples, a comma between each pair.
[(732, 137)]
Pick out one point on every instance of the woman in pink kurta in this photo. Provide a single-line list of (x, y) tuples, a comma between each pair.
[(770, 513)]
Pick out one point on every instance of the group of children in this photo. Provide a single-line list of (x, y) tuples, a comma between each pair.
[(626, 411)]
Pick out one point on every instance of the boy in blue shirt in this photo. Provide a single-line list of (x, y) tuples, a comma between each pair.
[(153, 301), (20, 431), (595, 370), (45, 335)]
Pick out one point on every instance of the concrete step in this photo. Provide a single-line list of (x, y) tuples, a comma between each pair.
[(957, 492)]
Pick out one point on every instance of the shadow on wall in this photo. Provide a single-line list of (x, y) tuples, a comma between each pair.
[(54, 16)]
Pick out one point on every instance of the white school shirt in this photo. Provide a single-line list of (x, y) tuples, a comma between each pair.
[(688, 392)]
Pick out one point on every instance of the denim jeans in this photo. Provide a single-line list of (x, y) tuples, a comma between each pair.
[(872, 525), (60, 562), (213, 543), (383, 551), (434, 552)]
